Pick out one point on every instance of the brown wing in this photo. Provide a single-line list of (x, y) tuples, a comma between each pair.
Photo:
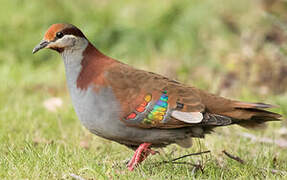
[(149, 100)]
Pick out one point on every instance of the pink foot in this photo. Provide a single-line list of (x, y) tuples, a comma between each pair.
[(140, 155)]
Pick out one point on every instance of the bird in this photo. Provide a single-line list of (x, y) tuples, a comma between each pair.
[(139, 109)]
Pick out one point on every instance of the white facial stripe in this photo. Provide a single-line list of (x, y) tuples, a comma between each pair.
[(69, 43), (65, 41)]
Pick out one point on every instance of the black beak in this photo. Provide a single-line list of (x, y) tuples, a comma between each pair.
[(40, 46)]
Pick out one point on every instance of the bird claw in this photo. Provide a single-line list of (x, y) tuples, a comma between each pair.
[(140, 155)]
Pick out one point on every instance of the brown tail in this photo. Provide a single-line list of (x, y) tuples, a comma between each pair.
[(254, 114), (249, 115)]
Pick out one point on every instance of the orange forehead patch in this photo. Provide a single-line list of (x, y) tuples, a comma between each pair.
[(51, 32), (65, 28)]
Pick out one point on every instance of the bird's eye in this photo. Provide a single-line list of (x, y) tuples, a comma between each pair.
[(59, 35)]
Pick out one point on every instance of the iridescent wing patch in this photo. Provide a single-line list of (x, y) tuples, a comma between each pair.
[(150, 112)]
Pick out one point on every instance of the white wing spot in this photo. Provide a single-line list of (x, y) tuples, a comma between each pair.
[(188, 117)]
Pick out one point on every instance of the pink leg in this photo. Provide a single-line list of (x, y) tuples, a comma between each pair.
[(140, 155)]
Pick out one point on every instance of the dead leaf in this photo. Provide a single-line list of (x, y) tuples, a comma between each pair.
[(52, 104)]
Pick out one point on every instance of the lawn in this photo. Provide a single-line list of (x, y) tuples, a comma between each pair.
[(236, 49)]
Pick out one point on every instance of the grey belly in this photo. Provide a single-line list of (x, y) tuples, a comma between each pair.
[(99, 113)]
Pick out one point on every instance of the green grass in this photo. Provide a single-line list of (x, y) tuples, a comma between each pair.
[(197, 42)]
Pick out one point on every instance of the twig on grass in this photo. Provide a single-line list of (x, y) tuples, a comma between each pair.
[(236, 158), (196, 166), (192, 154)]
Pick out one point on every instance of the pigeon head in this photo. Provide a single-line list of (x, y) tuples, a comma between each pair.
[(62, 37)]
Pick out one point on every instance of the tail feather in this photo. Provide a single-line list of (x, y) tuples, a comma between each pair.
[(255, 115), (248, 115), (254, 105), (256, 122)]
